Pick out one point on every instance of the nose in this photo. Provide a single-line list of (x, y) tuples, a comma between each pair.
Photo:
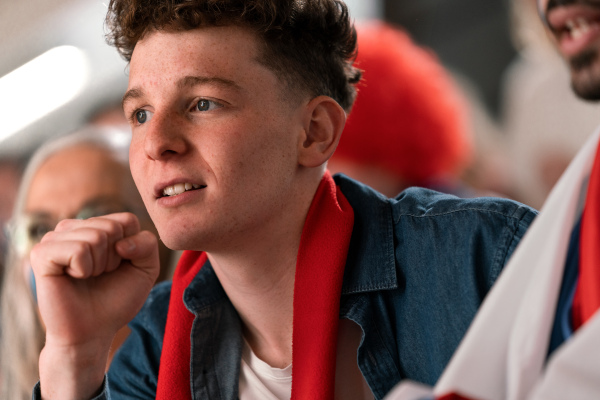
[(164, 137)]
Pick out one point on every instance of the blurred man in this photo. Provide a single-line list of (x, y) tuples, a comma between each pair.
[(538, 335), (575, 27), (80, 175)]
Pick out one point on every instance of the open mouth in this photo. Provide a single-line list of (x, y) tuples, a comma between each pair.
[(575, 27), (179, 188)]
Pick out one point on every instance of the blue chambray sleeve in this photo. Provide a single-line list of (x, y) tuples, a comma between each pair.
[(104, 395), (449, 252), (515, 228), (133, 373)]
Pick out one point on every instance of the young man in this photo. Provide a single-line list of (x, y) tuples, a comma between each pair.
[(542, 319), (235, 107)]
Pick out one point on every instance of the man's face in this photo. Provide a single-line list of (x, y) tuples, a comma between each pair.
[(80, 181), (575, 25), (209, 119)]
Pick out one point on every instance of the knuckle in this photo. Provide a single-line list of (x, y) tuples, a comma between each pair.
[(35, 254), (115, 228), (99, 238), (48, 237), (81, 265), (130, 219), (125, 215), (81, 248), (107, 228)]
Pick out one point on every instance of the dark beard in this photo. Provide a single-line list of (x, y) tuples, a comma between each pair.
[(585, 73), (586, 86), (583, 60)]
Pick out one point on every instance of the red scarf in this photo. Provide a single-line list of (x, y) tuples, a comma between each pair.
[(587, 295), (317, 290)]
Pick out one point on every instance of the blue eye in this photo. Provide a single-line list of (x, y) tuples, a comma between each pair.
[(203, 105), (143, 116), (206, 105)]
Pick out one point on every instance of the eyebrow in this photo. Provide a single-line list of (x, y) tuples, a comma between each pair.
[(130, 95), (191, 81), (185, 82)]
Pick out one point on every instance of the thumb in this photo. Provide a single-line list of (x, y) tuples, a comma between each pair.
[(141, 250)]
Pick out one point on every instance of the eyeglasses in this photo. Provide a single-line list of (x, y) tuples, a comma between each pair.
[(26, 230)]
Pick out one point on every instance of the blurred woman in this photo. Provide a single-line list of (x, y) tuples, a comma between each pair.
[(81, 175)]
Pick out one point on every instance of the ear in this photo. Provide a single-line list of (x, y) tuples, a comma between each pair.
[(323, 121)]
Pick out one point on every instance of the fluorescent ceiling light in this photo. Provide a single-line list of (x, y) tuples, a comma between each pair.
[(41, 86)]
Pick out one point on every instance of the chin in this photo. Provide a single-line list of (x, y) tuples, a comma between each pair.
[(588, 89), (171, 244), (177, 238), (179, 245)]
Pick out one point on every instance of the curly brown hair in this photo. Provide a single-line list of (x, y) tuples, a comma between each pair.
[(308, 44)]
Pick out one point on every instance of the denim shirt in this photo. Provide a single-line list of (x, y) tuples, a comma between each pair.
[(418, 268)]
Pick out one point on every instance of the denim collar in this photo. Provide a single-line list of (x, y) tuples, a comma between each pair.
[(371, 262), (204, 291)]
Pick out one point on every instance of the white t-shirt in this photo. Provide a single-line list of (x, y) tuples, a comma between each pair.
[(260, 381)]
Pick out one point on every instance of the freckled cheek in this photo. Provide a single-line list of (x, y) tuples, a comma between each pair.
[(137, 172), (145, 192), (228, 148), (136, 167)]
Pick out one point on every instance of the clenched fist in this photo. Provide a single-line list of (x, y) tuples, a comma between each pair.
[(92, 277)]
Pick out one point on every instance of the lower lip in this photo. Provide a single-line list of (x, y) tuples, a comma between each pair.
[(180, 199), (571, 47)]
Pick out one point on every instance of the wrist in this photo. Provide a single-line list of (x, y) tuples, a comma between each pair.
[(72, 372)]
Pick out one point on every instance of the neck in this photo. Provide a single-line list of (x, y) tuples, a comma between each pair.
[(259, 277), (262, 294)]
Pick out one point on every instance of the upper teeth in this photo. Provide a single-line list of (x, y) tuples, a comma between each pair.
[(578, 27), (179, 188)]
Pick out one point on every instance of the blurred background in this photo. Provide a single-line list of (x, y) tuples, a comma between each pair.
[(57, 74)]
